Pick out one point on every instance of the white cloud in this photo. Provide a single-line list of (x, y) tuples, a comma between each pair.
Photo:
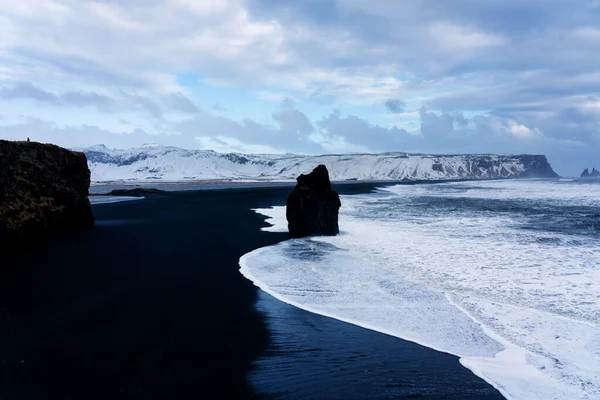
[(103, 45), (145, 43), (588, 33), (337, 144), (590, 106), (452, 37), (520, 131), (225, 144)]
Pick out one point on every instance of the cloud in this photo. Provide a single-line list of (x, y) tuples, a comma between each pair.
[(395, 106), (292, 121), (141, 44), (225, 144), (146, 44), (475, 76), (454, 37), (357, 52), (77, 135), (80, 99), (26, 90), (360, 132), (460, 119), (120, 102), (144, 104), (29, 91), (434, 125), (355, 44), (288, 130), (521, 131), (179, 102)]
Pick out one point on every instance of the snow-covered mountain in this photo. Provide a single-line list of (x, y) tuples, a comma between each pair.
[(151, 163)]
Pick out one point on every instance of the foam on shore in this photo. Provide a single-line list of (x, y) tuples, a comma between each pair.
[(435, 265)]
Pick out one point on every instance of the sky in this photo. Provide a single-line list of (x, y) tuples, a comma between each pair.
[(306, 76)]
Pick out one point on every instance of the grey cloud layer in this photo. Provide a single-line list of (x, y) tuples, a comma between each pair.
[(112, 104), (395, 105), (504, 76)]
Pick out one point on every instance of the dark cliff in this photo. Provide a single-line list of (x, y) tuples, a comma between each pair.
[(313, 207), (43, 192)]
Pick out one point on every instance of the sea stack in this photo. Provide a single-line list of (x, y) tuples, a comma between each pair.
[(587, 174), (313, 207), (43, 192)]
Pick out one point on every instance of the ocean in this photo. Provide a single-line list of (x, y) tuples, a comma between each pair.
[(503, 274)]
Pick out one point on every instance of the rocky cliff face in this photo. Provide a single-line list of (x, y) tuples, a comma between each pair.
[(534, 166), (43, 191), (313, 207)]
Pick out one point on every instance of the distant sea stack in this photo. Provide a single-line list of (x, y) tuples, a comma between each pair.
[(43, 192), (313, 207), (587, 174)]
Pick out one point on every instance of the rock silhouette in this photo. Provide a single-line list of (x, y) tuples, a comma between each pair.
[(137, 192), (313, 207), (587, 174), (43, 192)]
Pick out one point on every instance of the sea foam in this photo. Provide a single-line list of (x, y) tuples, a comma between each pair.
[(470, 269)]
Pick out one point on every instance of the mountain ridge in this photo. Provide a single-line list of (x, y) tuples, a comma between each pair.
[(167, 163)]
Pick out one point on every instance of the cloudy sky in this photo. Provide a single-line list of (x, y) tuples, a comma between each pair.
[(306, 76)]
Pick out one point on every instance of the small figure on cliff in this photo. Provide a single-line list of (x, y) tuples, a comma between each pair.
[(28, 140), (312, 208)]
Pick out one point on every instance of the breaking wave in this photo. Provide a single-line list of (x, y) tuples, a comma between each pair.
[(503, 274)]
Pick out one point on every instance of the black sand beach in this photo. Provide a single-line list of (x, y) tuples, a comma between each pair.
[(150, 304)]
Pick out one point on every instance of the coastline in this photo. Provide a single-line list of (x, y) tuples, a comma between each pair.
[(151, 303), (103, 187), (314, 356)]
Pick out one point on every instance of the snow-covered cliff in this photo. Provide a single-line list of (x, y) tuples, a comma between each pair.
[(150, 162)]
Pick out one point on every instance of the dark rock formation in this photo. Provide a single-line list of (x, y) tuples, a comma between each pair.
[(587, 174), (137, 192), (536, 166), (43, 192), (312, 208)]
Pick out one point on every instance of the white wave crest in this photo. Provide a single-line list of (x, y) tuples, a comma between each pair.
[(519, 306)]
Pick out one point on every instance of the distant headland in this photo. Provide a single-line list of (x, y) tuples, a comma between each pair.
[(163, 164)]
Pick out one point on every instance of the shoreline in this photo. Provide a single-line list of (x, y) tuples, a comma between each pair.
[(272, 306), (331, 276), (315, 356), (184, 185), (151, 303)]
